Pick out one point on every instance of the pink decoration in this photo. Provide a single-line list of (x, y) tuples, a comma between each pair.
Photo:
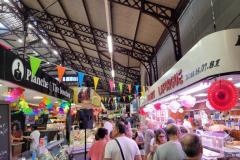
[(112, 85), (157, 106), (188, 101)]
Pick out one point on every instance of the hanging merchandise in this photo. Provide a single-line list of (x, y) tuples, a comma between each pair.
[(95, 81), (174, 106), (14, 94), (61, 71), (157, 106), (180, 110), (34, 63), (188, 101), (222, 95), (80, 78)]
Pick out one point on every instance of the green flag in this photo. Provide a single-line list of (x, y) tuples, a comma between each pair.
[(120, 85), (34, 63)]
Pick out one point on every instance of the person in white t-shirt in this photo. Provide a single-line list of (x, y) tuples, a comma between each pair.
[(186, 123), (108, 125), (129, 147), (34, 136)]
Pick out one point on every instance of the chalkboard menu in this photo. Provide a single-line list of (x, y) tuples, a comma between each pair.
[(4, 132)]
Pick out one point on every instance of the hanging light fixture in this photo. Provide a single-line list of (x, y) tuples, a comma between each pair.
[(113, 73), (110, 44)]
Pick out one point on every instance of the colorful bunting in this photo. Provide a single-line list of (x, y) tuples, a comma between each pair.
[(120, 85), (95, 81), (34, 63), (61, 71), (80, 78), (129, 88)]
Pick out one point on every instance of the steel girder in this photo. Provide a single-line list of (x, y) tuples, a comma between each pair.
[(96, 32), (100, 43), (133, 74), (165, 15)]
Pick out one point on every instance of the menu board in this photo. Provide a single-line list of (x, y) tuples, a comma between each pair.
[(4, 132)]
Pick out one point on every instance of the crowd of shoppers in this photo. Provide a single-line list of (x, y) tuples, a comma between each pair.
[(170, 143)]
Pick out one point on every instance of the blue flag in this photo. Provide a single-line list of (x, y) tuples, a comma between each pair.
[(137, 87), (80, 78)]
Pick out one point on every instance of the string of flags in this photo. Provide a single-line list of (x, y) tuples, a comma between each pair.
[(35, 64)]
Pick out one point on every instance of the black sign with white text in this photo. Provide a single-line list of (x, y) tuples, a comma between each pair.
[(16, 70)]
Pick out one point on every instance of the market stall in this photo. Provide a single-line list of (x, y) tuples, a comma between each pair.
[(33, 98), (204, 85)]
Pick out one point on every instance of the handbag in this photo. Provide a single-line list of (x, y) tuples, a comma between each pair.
[(120, 149)]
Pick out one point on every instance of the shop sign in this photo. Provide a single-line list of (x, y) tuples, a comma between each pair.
[(171, 83), (214, 54), (16, 70)]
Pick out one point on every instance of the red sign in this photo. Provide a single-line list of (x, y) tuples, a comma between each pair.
[(151, 96), (171, 83)]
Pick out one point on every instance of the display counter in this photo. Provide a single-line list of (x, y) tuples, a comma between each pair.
[(218, 145), (49, 152)]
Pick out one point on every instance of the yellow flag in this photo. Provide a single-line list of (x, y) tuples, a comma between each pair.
[(95, 81)]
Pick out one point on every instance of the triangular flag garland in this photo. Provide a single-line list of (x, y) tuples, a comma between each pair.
[(95, 81), (34, 64), (61, 71), (80, 78)]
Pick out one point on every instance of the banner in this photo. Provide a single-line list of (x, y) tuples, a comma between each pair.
[(120, 85), (34, 63), (80, 78), (61, 71), (16, 70), (95, 81)]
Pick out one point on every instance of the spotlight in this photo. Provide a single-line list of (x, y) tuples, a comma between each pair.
[(44, 41), (20, 40)]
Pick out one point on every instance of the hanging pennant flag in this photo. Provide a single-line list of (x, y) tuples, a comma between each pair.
[(34, 63), (124, 98), (75, 95), (105, 99), (129, 97), (129, 88), (120, 85), (61, 71), (143, 90), (118, 98), (102, 99), (80, 78), (135, 95), (111, 84), (95, 81), (137, 88), (109, 99)]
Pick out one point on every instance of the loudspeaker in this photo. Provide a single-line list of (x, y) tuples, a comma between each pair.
[(86, 119)]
